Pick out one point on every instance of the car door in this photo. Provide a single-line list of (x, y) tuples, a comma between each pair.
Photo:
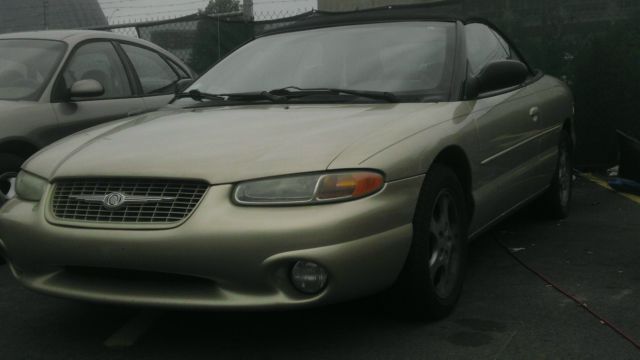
[(157, 76), (508, 128), (97, 60)]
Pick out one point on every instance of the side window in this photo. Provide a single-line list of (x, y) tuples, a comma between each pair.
[(183, 74), (99, 61), (156, 76), (483, 47), (505, 45)]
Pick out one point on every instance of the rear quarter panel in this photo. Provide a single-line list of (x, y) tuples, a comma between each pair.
[(556, 114)]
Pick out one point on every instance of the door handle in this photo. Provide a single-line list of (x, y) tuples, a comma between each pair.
[(534, 112)]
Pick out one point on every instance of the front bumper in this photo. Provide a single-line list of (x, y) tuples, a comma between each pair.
[(223, 256)]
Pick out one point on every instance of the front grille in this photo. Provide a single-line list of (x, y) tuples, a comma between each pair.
[(180, 199)]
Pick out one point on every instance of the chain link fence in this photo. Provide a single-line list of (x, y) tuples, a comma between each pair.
[(201, 40), (594, 45)]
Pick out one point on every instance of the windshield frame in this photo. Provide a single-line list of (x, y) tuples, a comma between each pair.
[(454, 51), (37, 95)]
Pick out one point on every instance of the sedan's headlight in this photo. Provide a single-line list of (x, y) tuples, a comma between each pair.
[(309, 189), (30, 187)]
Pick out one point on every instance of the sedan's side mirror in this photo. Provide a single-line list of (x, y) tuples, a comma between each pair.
[(183, 84), (497, 75), (86, 89)]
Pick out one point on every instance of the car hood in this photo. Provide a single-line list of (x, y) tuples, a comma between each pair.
[(222, 145)]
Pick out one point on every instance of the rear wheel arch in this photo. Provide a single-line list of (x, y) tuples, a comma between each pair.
[(569, 127), (555, 203)]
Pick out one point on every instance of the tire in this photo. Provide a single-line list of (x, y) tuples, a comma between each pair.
[(556, 202), (9, 167), (429, 287)]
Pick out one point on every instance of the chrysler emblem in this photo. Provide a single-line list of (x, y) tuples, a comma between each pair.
[(115, 200)]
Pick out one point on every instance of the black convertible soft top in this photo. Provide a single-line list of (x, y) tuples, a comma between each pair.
[(427, 12), (423, 12)]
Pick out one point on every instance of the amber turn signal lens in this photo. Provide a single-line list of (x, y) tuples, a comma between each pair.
[(349, 185)]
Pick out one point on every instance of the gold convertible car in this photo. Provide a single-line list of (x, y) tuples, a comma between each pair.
[(336, 158)]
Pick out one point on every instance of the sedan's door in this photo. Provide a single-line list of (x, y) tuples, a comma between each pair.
[(508, 128), (97, 60), (158, 78)]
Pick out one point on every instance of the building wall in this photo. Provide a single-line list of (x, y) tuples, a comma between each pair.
[(346, 5), (27, 15)]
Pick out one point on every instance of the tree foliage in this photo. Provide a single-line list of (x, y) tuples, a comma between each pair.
[(221, 7)]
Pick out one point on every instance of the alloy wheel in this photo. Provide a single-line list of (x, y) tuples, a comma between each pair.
[(564, 177), (444, 244)]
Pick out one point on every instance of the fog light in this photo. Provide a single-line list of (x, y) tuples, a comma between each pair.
[(308, 277)]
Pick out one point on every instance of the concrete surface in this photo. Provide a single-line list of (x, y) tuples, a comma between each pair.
[(506, 312)]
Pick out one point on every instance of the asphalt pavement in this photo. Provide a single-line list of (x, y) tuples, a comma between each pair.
[(506, 311)]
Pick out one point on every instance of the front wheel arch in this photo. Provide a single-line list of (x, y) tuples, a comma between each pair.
[(456, 159), (415, 289)]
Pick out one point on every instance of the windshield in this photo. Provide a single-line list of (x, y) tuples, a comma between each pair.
[(26, 67), (401, 58)]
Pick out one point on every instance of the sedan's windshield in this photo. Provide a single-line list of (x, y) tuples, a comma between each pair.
[(26, 66), (403, 58)]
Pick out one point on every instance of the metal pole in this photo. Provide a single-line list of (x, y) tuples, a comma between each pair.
[(45, 8), (219, 40), (247, 9)]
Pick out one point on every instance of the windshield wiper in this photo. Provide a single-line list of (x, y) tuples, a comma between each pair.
[(256, 96), (234, 97), (292, 92), (197, 95), (280, 96)]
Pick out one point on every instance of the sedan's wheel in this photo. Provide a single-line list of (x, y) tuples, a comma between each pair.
[(9, 166), (7, 186), (556, 201), (431, 281)]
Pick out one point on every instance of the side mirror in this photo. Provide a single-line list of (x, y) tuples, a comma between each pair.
[(497, 75), (183, 84), (86, 89)]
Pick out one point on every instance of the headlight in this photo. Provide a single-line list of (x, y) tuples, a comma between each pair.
[(309, 189), (30, 187)]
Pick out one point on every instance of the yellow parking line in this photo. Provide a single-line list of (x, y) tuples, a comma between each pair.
[(605, 185), (133, 330)]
